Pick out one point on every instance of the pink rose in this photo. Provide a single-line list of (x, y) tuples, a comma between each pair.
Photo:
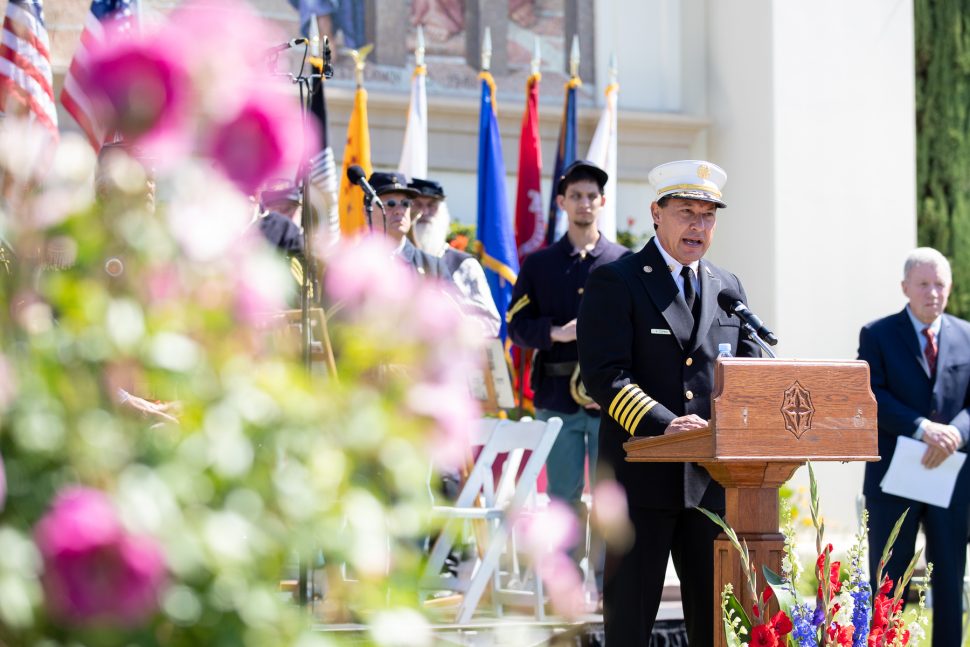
[(260, 141), (94, 571), (142, 90)]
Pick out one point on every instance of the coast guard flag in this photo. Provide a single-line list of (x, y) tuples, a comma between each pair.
[(565, 155), (353, 221), (25, 64), (414, 155), (602, 152), (495, 238), (530, 219), (107, 19)]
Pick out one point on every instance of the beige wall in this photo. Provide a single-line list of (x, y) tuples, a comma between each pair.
[(812, 110)]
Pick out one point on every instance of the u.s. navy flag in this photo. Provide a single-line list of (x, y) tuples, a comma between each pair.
[(565, 155), (498, 253), (25, 64)]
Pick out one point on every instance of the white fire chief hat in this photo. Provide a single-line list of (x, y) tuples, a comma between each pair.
[(689, 179)]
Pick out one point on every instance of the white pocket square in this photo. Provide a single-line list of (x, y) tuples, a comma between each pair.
[(659, 331)]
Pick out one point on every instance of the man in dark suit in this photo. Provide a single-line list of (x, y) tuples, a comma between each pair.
[(395, 221), (919, 367), (648, 331)]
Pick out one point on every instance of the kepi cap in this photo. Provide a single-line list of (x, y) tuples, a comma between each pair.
[(689, 179), (573, 169), (391, 183), (427, 188), (279, 190)]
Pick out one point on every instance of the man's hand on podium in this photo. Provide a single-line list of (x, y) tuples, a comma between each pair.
[(685, 423)]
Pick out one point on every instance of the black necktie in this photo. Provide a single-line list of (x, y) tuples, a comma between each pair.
[(689, 295)]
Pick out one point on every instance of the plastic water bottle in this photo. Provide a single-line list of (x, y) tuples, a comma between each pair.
[(724, 350)]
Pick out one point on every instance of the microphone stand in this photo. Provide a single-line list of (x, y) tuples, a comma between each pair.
[(753, 336)]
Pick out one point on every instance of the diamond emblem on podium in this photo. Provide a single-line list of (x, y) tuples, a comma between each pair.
[(797, 409)]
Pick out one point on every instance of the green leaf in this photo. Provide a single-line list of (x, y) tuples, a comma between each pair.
[(734, 606), (887, 551), (782, 590), (907, 576)]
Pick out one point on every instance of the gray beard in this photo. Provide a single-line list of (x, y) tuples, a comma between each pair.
[(430, 237)]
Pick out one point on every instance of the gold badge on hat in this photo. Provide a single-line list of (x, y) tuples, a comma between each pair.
[(703, 171)]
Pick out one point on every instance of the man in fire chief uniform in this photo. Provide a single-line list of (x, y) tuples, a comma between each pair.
[(649, 330)]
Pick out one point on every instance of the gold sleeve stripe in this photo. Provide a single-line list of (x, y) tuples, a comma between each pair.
[(514, 310), (634, 411), (636, 421), (620, 398), (624, 409)]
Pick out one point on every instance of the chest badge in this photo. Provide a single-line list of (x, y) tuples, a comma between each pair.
[(797, 409)]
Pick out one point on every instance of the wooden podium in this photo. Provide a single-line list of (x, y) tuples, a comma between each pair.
[(768, 416)]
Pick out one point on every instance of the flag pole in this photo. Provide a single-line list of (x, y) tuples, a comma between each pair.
[(574, 58)]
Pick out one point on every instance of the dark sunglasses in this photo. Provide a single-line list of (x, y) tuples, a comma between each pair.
[(393, 203)]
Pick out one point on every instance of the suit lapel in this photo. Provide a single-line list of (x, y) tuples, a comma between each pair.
[(907, 335), (710, 288), (663, 292)]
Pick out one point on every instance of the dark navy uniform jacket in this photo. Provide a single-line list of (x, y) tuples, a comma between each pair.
[(642, 365), (548, 293)]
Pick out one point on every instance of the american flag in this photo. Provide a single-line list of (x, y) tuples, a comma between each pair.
[(25, 63), (108, 18)]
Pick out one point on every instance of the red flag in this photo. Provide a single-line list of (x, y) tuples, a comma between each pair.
[(530, 220)]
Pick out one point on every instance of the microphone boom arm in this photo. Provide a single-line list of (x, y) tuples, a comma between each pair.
[(753, 336)]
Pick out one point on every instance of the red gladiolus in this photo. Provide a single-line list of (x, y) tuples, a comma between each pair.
[(841, 635), (763, 636), (780, 623)]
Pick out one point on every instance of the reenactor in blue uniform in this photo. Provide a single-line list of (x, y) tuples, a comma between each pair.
[(545, 304)]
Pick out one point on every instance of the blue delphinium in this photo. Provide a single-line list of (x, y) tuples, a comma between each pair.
[(859, 587), (803, 627)]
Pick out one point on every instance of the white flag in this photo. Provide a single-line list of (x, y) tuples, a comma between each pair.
[(414, 155), (602, 152)]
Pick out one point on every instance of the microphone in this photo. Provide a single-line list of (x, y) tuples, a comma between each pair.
[(730, 301), (356, 175), (282, 47)]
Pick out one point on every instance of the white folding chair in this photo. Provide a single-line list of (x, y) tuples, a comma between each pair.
[(495, 507)]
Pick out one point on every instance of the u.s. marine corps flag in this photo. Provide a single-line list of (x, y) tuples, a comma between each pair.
[(530, 218), (495, 236)]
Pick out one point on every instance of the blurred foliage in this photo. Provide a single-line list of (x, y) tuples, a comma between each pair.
[(265, 465), (942, 32)]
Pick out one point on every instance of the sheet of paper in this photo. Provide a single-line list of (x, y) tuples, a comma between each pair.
[(908, 478)]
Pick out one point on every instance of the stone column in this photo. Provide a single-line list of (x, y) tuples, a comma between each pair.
[(480, 14), (386, 24), (580, 20)]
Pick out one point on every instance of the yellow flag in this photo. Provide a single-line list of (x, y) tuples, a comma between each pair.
[(352, 218)]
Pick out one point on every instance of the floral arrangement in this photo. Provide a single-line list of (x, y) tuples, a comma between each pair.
[(174, 525), (844, 612)]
